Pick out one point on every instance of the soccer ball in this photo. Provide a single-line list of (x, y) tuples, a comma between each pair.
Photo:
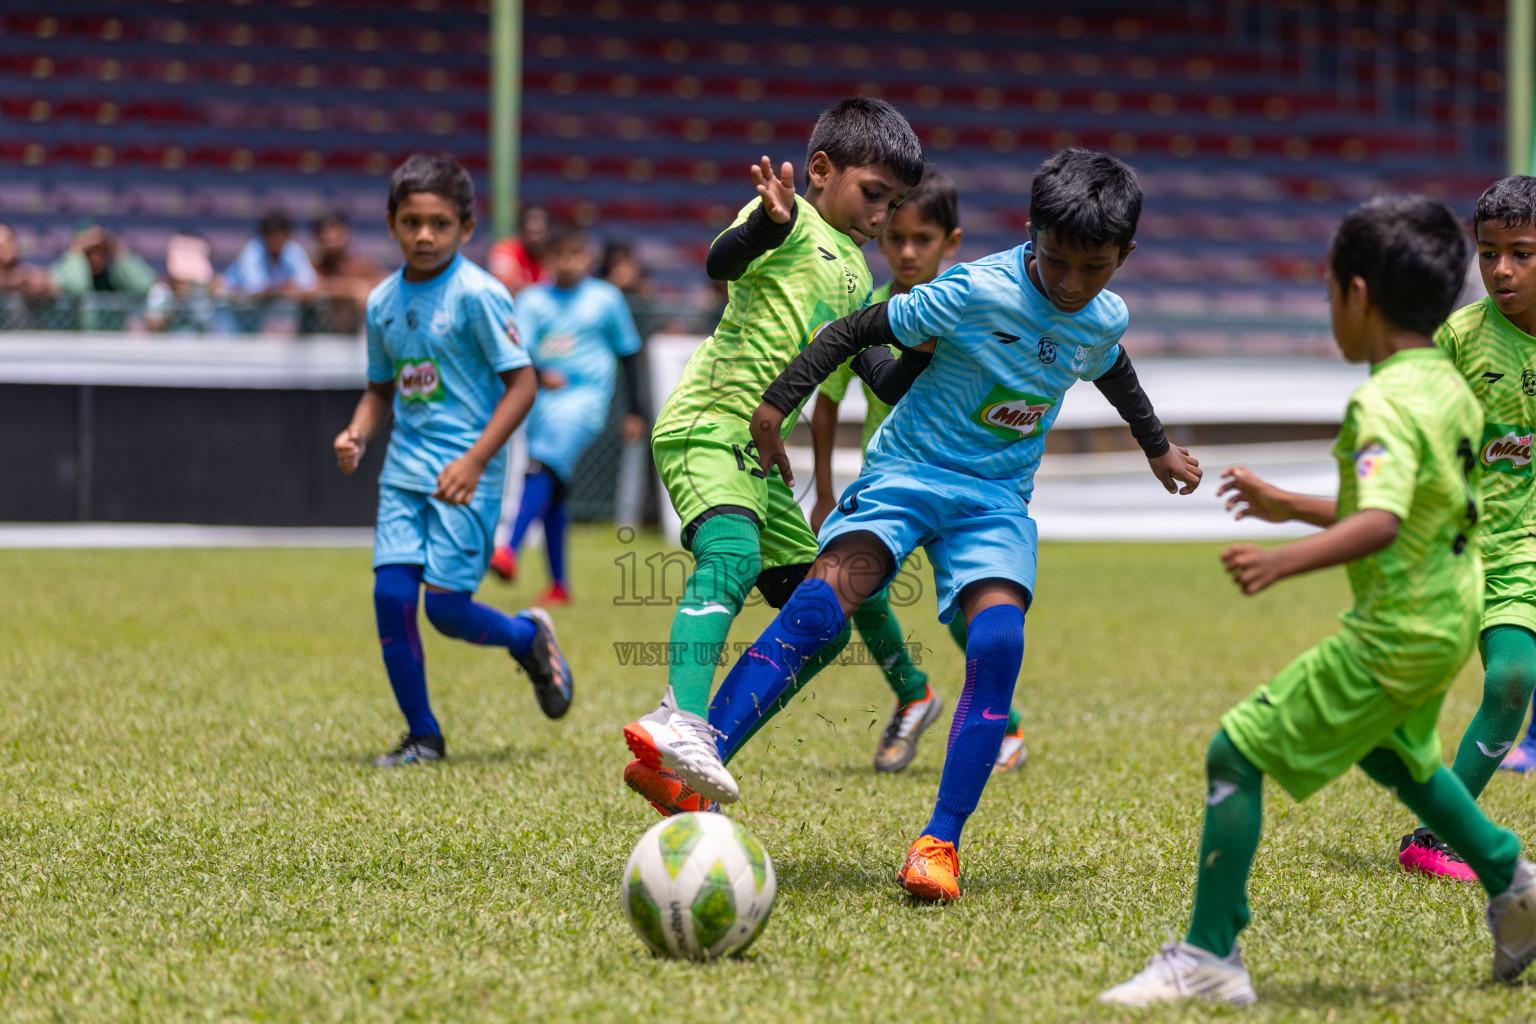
[(698, 886)]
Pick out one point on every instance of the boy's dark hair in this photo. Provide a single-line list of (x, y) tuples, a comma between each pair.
[(438, 175), (274, 222), (860, 132), (936, 199), (1412, 253), (563, 232), (1088, 199), (1511, 201)]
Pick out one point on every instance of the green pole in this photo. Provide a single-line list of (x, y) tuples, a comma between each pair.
[(506, 113), (1519, 67)]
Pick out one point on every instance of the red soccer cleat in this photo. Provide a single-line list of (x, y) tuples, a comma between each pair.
[(665, 789), (504, 564), (555, 596)]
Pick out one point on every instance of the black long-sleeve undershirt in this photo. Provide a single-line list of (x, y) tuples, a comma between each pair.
[(871, 327), (631, 365), (731, 253), (1123, 390)]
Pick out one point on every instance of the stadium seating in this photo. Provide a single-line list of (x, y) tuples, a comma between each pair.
[(641, 116)]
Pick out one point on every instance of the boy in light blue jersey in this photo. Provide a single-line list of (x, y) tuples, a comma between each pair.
[(952, 469), (445, 359), (578, 329)]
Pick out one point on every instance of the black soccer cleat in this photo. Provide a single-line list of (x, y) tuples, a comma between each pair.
[(412, 750), (546, 666)]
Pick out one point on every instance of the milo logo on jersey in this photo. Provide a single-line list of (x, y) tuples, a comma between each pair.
[(1506, 449), (1010, 414), (419, 380)]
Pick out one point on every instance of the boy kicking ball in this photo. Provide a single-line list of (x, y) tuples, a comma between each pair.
[(444, 358), (923, 233), (1404, 526), (953, 468)]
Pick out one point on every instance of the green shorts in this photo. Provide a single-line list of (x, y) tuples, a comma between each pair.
[(1509, 596), (715, 464), (1323, 713)]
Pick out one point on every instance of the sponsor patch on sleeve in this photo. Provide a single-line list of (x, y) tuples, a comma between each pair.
[(512, 336), (1368, 460)]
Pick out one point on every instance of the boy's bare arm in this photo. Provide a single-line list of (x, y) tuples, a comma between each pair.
[(823, 438), (1251, 496), (1366, 532), (457, 483), (372, 412)]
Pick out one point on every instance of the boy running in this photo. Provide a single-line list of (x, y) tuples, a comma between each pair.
[(1491, 344), (1404, 526), (444, 357), (952, 469), (793, 264), (923, 233), (577, 328)]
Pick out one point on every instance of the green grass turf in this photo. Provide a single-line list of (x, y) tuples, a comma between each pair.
[(189, 829)]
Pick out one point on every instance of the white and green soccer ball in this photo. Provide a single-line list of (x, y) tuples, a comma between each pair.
[(698, 886)]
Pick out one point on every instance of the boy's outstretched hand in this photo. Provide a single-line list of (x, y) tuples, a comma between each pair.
[(767, 422), (1252, 568), (457, 482), (349, 445), (1176, 466), (778, 193), (1253, 497)]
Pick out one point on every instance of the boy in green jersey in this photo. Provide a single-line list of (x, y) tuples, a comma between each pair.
[(1403, 526), (793, 264), (923, 233), (1492, 344)]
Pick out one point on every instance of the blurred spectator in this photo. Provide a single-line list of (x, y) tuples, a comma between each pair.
[(517, 262), (16, 277), (621, 268), (101, 279), (272, 265), (183, 302), (346, 277), (97, 261)]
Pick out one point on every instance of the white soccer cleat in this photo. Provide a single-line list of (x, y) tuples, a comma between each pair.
[(1011, 755), (1512, 922), (1181, 971), (685, 743)]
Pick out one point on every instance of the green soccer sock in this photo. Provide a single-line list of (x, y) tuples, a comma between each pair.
[(957, 630), (1509, 676), (824, 657), (725, 551), (1234, 815), (881, 633), (1444, 804)]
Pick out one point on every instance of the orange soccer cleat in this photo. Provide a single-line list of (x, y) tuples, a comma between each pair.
[(932, 870), (665, 789), (504, 563)]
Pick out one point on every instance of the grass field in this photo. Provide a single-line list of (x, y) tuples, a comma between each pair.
[(189, 829)]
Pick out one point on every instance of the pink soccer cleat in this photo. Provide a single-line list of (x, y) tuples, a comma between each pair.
[(1521, 758), (1423, 851)]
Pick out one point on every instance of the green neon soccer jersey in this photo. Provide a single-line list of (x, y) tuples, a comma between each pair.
[(836, 386), (817, 275), (1407, 447), (1499, 361)]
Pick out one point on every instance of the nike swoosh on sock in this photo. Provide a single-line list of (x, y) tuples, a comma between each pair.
[(1498, 751), (1220, 790), (709, 609)]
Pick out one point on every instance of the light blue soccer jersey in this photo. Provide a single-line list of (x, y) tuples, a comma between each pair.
[(577, 332), (442, 342), (1004, 359)]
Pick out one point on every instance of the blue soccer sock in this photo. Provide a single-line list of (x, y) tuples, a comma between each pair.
[(554, 541), (395, 591), (456, 615), (809, 620), (994, 651), (538, 490)]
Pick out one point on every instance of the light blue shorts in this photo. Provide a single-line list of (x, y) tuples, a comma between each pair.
[(971, 529), (563, 424), (452, 543)]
